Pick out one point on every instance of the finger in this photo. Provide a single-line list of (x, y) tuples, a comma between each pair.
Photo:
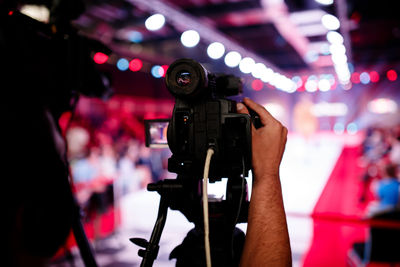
[(265, 116), (241, 108)]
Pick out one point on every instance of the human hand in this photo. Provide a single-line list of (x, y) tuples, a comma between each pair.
[(267, 238), (268, 141)]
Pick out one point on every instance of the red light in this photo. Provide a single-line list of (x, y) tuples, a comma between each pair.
[(257, 85), (391, 75), (100, 58), (374, 76), (356, 17), (303, 82), (165, 68), (10, 13), (355, 77), (135, 65)]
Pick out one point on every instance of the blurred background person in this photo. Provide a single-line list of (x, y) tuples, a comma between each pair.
[(386, 190)]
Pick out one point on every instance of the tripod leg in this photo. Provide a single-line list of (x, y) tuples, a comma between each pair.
[(83, 243), (151, 251)]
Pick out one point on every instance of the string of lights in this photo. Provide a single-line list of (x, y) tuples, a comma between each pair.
[(310, 83)]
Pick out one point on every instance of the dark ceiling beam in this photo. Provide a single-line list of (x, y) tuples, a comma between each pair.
[(279, 15), (222, 8)]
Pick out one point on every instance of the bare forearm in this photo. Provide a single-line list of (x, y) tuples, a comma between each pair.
[(267, 240)]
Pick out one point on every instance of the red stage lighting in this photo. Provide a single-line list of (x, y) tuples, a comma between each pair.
[(374, 76), (303, 82), (100, 58), (391, 75), (257, 85), (165, 68), (355, 77), (135, 65)]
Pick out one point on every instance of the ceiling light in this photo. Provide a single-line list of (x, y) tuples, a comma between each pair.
[(246, 65), (215, 50), (364, 78), (297, 80), (257, 85), (324, 49), (122, 64), (324, 2), (291, 86), (135, 36), (190, 38), (337, 49), (40, 13), (283, 83), (155, 22), (311, 84), (100, 58), (391, 75), (352, 128), (258, 70), (165, 68), (329, 109), (232, 59), (311, 56), (135, 64), (338, 128), (324, 85), (157, 71), (339, 59), (374, 76), (334, 37), (355, 77), (382, 106), (330, 22), (267, 74), (342, 70)]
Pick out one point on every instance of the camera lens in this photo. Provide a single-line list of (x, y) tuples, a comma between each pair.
[(183, 78), (186, 79)]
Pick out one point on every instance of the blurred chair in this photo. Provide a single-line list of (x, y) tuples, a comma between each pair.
[(382, 246)]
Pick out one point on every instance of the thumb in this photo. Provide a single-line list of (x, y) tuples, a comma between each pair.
[(241, 108)]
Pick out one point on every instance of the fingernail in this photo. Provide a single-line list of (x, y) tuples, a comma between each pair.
[(239, 106)]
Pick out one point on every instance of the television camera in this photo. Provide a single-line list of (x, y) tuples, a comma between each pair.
[(203, 118)]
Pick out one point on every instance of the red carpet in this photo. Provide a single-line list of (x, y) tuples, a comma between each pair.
[(336, 214)]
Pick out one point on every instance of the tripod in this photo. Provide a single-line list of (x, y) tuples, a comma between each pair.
[(184, 194)]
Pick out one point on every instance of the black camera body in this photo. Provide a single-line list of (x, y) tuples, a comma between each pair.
[(202, 118)]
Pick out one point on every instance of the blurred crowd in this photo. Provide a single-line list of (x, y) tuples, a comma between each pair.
[(381, 161), (108, 160)]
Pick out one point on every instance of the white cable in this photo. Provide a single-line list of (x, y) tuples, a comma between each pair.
[(210, 152), (241, 193)]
